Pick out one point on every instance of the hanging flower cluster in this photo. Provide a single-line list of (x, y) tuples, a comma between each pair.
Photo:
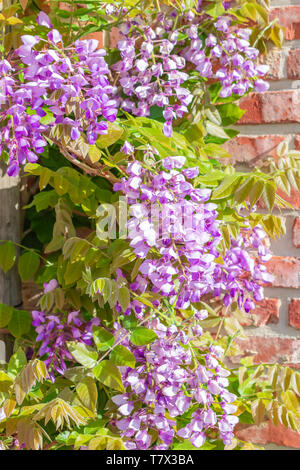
[(51, 85), (170, 381), (174, 226), (54, 332), (244, 269), (156, 61), (227, 56), (153, 76)]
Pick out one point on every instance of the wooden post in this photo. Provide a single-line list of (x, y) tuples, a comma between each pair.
[(10, 229), (10, 285)]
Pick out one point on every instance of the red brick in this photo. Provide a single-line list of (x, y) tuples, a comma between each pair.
[(266, 311), (273, 59), (293, 64), (97, 35), (44, 5), (294, 313), (252, 105), (286, 271), (289, 17), (270, 349), (63, 6), (271, 107), (267, 432), (296, 232), (297, 142), (114, 37), (247, 148)]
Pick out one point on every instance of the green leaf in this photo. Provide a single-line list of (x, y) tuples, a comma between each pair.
[(258, 411), (43, 200), (112, 300), (108, 374), (114, 133), (243, 190), (216, 10), (5, 315), (256, 191), (213, 115), (100, 286), (13, 21), (61, 185), (226, 235), (87, 392), (291, 401), (277, 35), (216, 151), (17, 362), (73, 272), (94, 153), (48, 119), (230, 113), (157, 113), (295, 382), (103, 338), (121, 356), (45, 178), (227, 187), (142, 335), (7, 256), (83, 354), (56, 244), (214, 129), (124, 298), (268, 195), (20, 323), (28, 264), (5, 382), (249, 11)]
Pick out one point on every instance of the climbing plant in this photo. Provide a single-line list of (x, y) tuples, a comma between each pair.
[(144, 241)]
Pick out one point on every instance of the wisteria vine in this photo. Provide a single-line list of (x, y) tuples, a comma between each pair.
[(173, 218), (173, 52), (178, 388)]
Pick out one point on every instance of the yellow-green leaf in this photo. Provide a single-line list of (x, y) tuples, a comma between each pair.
[(114, 133), (7, 256), (108, 374)]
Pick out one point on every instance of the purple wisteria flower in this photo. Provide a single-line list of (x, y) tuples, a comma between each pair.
[(55, 330), (153, 70), (61, 86), (165, 383), (176, 231), (127, 148)]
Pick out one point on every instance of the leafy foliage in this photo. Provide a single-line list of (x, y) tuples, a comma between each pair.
[(77, 374)]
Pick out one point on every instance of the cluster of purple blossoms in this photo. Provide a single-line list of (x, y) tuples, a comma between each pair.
[(228, 56), (67, 85), (155, 61), (245, 269), (169, 380), (54, 331), (176, 229), (153, 75)]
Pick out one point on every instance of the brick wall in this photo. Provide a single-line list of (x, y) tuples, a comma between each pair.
[(274, 329)]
